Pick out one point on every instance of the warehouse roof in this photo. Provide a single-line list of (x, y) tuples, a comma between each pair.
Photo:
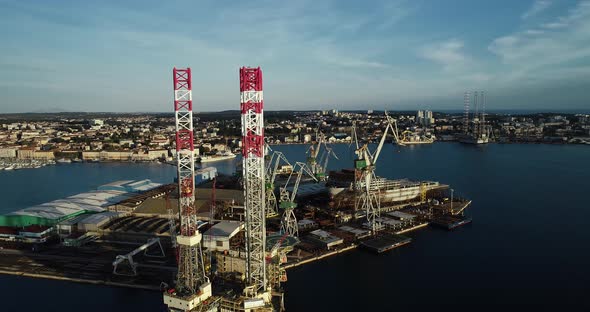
[(94, 201), (99, 217), (225, 229)]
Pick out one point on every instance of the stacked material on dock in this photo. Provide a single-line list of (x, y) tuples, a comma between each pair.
[(325, 239), (306, 224), (390, 224), (49, 214), (385, 242), (358, 233), (399, 215)]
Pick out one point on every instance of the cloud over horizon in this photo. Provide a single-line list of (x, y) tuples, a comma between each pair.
[(379, 55)]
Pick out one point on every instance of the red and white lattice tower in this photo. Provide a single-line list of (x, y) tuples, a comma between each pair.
[(192, 285), (253, 173)]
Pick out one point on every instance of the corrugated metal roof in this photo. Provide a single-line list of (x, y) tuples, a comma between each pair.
[(94, 201), (117, 183), (99, 217), (224, 229)]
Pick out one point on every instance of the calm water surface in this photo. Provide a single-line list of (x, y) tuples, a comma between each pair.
[(528, 245)]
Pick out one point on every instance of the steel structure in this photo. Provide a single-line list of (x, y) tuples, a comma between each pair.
[(253, 174), (368, 197), (128, 258), (192, 285), (393, 123), (483, 127), (288, 220), (313, 152), (270, 175), (323, 162), (171, 223), (466, 99)]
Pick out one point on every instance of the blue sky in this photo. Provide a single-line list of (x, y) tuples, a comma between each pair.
[(395, 55)]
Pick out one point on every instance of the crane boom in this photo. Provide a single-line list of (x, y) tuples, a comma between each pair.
[(378, 152), (394, 129), (302, 168), (279, 156)]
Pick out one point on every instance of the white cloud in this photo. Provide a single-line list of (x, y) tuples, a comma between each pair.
[(537, 7), (449, 54), (394, 12), (554, 25), (533, 32), (535, 55)]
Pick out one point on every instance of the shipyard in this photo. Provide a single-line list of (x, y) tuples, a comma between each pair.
[(118, 235), (210, 241)]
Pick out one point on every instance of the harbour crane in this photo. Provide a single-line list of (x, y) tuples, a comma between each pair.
[(313, 153), (323, 161), (287, 201), (368, 199), (393, 123), (271, 172)]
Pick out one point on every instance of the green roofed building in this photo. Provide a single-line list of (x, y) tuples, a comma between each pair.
[(51, 213)]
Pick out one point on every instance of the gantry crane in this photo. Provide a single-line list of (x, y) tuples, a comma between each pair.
[(287, 201), (368, 194), (272, 167)]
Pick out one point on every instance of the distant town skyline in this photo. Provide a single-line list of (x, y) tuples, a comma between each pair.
[(117, 56)]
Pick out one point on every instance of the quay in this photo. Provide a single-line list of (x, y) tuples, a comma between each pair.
[(385, 242), (78, 239)]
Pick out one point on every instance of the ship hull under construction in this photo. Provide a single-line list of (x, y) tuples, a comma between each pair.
[(390, 190)]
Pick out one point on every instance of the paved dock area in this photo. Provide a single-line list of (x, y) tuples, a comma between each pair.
[(90, 264)]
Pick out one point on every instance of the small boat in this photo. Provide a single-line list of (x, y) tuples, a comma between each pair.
[(64, 161)]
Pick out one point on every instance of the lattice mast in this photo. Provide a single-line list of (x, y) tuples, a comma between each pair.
[(466, 99), (483, 126), (253, 172), (192, 285)]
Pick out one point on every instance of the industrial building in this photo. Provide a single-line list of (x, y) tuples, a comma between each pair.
[(84, 211), (217, 238)]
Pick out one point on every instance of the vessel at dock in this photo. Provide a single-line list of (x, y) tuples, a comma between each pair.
[(408, 137), (475, 128), (217, 157), (390, 190), (471, 139)]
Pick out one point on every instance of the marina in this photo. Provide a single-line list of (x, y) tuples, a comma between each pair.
[(16, 164)]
